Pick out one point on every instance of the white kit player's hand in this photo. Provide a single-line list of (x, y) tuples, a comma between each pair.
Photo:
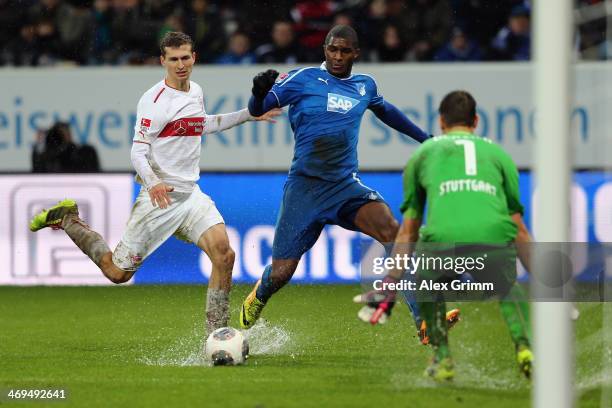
[(159, 195), (270, 115)]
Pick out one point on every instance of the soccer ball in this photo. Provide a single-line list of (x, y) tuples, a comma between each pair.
[(226, 346)]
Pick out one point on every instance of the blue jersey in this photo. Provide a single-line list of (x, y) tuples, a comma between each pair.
[(325, 113)]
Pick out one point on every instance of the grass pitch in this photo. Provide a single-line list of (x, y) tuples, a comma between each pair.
[(140, 346)]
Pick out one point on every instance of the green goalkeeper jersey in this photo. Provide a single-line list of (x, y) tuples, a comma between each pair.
[(471, 188)]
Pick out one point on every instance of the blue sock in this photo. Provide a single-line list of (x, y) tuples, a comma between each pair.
[(266, 288), (410, 298)]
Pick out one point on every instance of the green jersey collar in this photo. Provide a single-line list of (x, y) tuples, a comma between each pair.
[(459, 133)]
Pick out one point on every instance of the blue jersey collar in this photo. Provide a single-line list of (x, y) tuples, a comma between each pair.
[(323, 67)]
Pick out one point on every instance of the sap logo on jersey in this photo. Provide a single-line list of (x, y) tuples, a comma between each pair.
[(340, 103)]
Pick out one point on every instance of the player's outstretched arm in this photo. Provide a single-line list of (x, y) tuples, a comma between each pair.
[(269, 116), (224, 121), (393, 117)]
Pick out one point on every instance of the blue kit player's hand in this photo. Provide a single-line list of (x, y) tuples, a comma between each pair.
[(262, 83)]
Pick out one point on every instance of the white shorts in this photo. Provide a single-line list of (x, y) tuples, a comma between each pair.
[(187, 217)]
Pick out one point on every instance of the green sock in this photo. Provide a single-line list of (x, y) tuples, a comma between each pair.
[(434, 314), (515, 310)]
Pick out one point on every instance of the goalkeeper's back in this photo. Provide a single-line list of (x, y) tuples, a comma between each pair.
[(470, 185)]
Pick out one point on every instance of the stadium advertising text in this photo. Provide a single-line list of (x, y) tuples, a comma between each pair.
[(105, 202), (49, 257), (106, 120)]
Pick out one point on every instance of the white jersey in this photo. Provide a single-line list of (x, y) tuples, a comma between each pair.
[(172, 123)]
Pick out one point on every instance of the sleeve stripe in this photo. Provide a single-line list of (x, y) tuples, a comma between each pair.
[(158, 95), (277, 100), (293, 76), (138, 141)]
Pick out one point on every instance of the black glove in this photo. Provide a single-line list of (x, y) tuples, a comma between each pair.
[(262, 83)]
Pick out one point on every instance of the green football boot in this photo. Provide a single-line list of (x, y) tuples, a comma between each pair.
[(251, 308), (441, 371), (53, 216)]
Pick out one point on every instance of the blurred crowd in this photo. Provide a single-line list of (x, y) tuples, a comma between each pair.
[(119, 32)]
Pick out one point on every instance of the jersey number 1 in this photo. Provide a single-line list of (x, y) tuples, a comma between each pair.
[(469, 153)]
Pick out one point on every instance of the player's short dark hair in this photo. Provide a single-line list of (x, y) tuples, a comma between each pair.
[(343, 31), (458, 108), (174, 39)]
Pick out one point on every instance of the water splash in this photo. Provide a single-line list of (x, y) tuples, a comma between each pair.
[(263, 338), (266, 339), (185, 351)]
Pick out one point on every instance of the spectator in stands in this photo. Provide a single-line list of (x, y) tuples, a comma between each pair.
[(24, 49), (257, 21), (53, 11), (47, 41), (282, 49), (343, 19), (102, 48), (159, 9), (459, 49), (482, 19), (513, 42), (427, 24), (62, 31), (76, 32), (173, 22), (312, 18), (238, 51), (45, 32), (392, 46), (204, 25), (11, 18), (370, 23), (55, 152), (134, 32)]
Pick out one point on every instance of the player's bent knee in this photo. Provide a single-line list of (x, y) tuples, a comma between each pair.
[(230, 257), (116, 274), (120, 277), (224, 257), (121, 266), (389, 230)]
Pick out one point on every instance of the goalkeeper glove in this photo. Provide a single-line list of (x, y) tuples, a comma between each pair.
[(378, 302), (388, 302), (262, 83)]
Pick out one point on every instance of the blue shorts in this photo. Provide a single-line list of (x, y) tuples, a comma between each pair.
[(309, 204)]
